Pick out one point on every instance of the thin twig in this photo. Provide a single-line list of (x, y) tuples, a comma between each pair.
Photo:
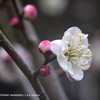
[(22, 66), (37, 72)]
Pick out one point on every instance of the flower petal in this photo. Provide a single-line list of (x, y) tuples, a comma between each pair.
[(64, 63), (69, 77), (86, 52), (66, 37), (77, 72), (70, 34), (85, 41), (88, 63), (64, 48), (73, 31), (55, 46), (84, 60)]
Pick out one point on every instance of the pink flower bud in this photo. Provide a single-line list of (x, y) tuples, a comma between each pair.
[(14, 22), (45, 70), (44, 48), (29, 12)]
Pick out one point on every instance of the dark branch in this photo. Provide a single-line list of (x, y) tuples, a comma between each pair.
[(22, 66)]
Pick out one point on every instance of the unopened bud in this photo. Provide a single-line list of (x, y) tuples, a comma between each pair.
[(14, 22), (44, 48), (29, 12), (45, 70)]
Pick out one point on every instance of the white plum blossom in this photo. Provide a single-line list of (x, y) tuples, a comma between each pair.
[(73, 54)]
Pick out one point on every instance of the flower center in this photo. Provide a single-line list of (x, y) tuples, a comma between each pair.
[(72, 53), (78, 53)]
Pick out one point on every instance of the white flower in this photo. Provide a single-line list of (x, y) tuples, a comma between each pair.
[(73, 54)]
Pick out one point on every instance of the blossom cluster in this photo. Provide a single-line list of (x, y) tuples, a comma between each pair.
[(72, 51)]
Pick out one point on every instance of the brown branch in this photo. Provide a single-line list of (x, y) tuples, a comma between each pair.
[(22, 66)]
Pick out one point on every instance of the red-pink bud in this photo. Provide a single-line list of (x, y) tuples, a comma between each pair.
[(14, 22), (45, 70), (44, 48), (29, 12)]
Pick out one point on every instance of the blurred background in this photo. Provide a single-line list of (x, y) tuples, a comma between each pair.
[(54, 18)]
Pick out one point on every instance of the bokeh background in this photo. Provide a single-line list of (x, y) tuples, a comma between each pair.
[(54, 18)]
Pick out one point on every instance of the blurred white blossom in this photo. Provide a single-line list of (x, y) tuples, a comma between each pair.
[(52, 7)]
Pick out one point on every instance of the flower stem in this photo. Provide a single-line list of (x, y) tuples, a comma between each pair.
[(49, 60), (37, 72), (16, 8)]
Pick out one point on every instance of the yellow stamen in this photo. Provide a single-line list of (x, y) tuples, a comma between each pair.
[(83, 36), (81, 40), (76, 34), (83, 61), (80, 36), (92, 55), (70, 36), (77, 47), (89, 44), (87, 58), (86, 48)]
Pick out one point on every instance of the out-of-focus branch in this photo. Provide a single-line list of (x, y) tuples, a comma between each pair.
[(22, 66)]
